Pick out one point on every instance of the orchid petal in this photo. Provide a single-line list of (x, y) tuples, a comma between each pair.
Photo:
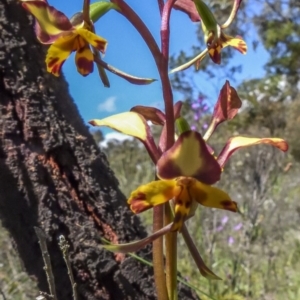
[(226, 108), (130, 123), (137, 245), (152, 114), (188, 7), (210, 196), (51, 22), (183, 201), (96, 41), (100, 8), (238, 142), (233, 13), (215, 53), (59, 52), (204, 270), (236, 42), (188, 64), (208, 20), (224, 41), (189, 157), (101, 71), (151, 194), (84, 60), (128, 77), (133, 124)]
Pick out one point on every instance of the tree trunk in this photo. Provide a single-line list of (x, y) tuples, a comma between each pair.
[(53, 176)]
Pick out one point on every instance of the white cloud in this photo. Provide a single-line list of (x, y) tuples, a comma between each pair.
[(114, 136), (109, 105)]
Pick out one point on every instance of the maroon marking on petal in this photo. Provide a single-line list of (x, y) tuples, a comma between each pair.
[(92, 122), (56, 69), (61, 21), (229, 205), (138, 206), (179, 202), (100, 45), (85, 64), (140, 196), (53, 62), (188, 204), (177, 217)]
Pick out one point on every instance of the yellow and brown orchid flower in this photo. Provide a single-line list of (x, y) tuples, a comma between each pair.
[(187, 171), (65, 36), (214, 36)]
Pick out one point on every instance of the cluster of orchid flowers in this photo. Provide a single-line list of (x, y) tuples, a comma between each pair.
[(186, 170), (77, 34)]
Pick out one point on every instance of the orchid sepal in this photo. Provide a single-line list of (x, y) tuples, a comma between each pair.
[(226, 108), (137, 245), (189, 157), (132, 124), (100, 8), (238, 142)]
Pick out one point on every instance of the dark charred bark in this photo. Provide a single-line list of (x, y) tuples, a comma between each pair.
[(52, 175)]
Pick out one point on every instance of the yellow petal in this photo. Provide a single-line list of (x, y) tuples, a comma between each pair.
[(183, 201), (213, 197), (151, 194), (93, 39), (51, 21), (84, 60), (59, 52), (236, 42), (238, 142), (130, 123)]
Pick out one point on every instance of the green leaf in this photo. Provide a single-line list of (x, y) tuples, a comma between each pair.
[(98, 9)]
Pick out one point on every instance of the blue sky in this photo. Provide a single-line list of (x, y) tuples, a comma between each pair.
[(128, 52)]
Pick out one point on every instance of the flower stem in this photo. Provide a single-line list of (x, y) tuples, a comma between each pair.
[(171, 256), (158, 256), (163, 71), (161, 6), (171, 238)]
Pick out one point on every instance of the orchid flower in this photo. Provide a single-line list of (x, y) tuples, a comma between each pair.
[(65, 36), (189, 168), (186, 171), (214, 36)]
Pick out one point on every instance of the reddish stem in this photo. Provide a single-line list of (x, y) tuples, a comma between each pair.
[(161, 5), (163, 71)]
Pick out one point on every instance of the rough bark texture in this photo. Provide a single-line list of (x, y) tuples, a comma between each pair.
[(52, 175)]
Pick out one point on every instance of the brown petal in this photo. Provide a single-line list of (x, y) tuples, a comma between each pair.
[(189, 157), (188, 7), (226, 108), (152, 114)]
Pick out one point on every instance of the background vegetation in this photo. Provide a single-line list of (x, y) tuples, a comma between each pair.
[(257, 254)]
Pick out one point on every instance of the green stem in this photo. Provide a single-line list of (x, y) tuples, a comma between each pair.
[(171, 256), (158, 256)]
